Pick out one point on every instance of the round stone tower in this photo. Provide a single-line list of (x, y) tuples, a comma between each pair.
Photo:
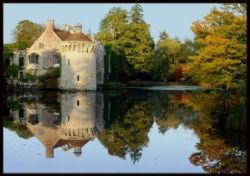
[(78, 64)]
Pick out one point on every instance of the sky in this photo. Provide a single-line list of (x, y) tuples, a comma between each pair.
[(175, 19)]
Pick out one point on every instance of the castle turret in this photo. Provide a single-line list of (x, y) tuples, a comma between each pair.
[(78, 69)]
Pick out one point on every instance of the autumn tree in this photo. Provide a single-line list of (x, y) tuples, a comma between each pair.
[(25, 33), (221, 58)]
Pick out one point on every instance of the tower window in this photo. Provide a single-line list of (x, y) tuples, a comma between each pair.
[(78, 77), (68, 62), (78, 102)]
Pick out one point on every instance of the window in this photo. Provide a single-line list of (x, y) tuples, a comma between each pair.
[(56, 59), (21, 113), (21, 61), (21, 75), (68, 118), (78, 77), (78, 102), (33, 58), (33, 119), (41, 45), (68, 62)]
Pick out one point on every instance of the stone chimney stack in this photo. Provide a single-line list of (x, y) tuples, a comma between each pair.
[(50, 26), (77, 151), (78, 28), (49, 152)]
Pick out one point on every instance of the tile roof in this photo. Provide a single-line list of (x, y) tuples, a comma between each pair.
[(62, 34), (78, 36), (74, 143)]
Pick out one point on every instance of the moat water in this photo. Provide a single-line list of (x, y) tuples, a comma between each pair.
[(129, 131)]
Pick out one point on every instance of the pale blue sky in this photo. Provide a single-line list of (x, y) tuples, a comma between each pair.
[(176, 19)]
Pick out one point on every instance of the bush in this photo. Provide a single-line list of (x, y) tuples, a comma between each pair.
[(49, 80), (114, 85)]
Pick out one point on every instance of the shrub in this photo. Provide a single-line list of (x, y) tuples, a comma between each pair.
[(114, 85)]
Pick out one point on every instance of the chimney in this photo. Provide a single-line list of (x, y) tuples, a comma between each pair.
[(77, 151), (50, 26), (78, 27), (49, 152)]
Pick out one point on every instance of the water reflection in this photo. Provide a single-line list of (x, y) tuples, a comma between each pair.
[(69, 121), (122, 122)]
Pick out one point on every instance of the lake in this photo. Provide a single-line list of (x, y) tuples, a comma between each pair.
[(128, 131)]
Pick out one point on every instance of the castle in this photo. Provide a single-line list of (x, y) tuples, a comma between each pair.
[(76, 121), (80, 57)]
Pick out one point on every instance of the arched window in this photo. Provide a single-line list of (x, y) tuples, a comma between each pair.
[(78, 102), (33, 58), (78, 77), (33, 119), (21, 60), (68, 62)]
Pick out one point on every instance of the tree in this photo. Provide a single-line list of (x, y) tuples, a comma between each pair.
[(129, 134), (25, 33), (221, 59), (163, 35), (8, 50), (165, 56), (138, 47), (138, 42), (137, 14), (129, 45), (112, 28)]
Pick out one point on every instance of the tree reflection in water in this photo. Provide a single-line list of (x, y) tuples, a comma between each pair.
[(122, 122)]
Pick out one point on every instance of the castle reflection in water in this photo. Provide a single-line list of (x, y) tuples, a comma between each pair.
[(70, 123)]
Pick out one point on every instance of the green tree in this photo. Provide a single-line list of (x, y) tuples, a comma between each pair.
[(137, 14), (129, 45), (25, 33), (128, 134), (112, 28), (137, 42), (8, 50), (163, 35), (166, 55)]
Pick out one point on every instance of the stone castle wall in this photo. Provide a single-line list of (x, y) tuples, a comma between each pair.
[(78, 66)]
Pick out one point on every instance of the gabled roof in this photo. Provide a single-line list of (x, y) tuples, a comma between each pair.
[(74, 143), (62, 34), (78, 36)]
